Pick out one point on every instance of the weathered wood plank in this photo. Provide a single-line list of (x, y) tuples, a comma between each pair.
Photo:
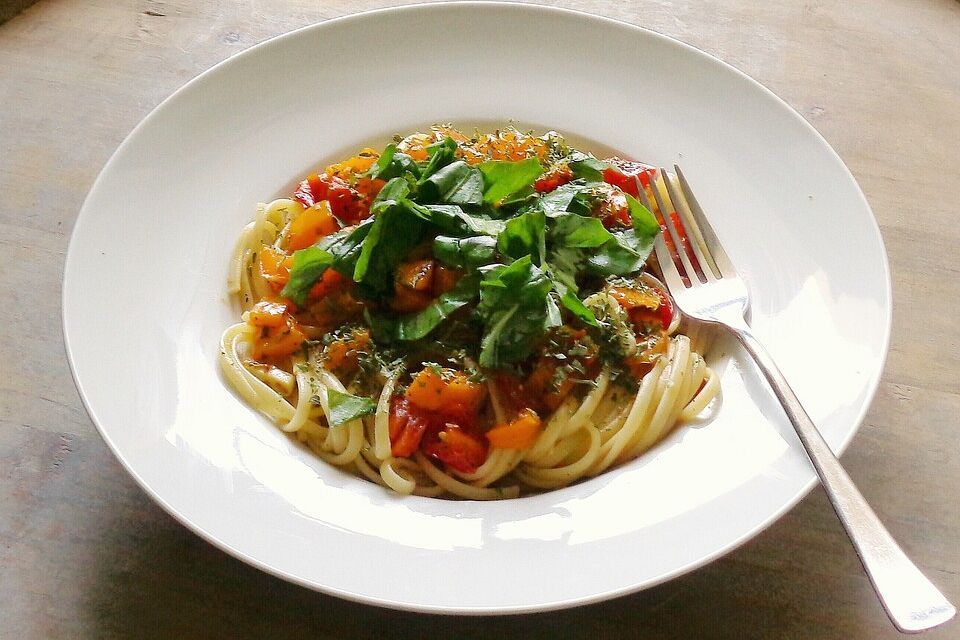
[(10, 8), (84, 553)]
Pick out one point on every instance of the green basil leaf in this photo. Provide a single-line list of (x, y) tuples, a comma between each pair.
[(573, 304), (308, 265), (553, 318), (588, 167), (563, 269), (524, 235), (390, 194), (383, 161), (502, 178), (519, 198), (582, 244), (465, 253), (395, 231), (572, 230), (345, 407), (393, 164), (557, 201), (452, 218), (441, 154), (418, 325), (628, 249), (622, 255), (645, 224), (456, 183), (515, 310), (571, 197), (345, 246)]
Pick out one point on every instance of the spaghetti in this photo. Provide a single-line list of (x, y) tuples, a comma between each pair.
[(463, 317)]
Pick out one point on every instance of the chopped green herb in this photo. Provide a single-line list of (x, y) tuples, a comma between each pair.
[(345, 407)]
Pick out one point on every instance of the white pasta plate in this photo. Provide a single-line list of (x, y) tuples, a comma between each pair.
[(145, 302)]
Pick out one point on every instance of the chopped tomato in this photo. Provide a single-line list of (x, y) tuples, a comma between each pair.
[(444, 279), (609, 204), (369, 188), (666, 308), (622, 177), (268, 314), (539, 391), (407, 427), (351, 166), (416, 275), (644, 305), (415, 146), (445, 390), (510, 144), (275, 342), (685, 243), (623, 172), (543, 384), (616, 212), (310, 225), (343, 354), (456, 447), (638, 367), (442, 131), (447, 436), (631, 298), (329, 282), (519, 433), (413, 283), (555, 177), (334, 309), (275, 266), (547, 386), (334, 190), (662, 315), (406, 300), (513, 391)]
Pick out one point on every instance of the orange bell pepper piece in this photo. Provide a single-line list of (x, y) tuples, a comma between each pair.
[(309, 226), (268, 314), (445, 390), (519, 433)]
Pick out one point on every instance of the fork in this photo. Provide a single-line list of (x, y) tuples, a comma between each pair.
[(706, 288)]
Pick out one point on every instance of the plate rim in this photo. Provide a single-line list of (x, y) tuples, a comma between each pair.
[(871, 386)]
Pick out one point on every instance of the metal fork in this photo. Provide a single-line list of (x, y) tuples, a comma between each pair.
[(711, 292)]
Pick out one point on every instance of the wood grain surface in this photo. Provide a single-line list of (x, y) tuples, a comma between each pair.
[(10, 8), (84, 553)]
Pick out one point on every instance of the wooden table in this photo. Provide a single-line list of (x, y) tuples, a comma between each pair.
[(85, 553)]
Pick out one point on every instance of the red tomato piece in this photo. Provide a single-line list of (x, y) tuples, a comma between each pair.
[(444, 279), (456, 447), (666, 308), (407, 427), (513, 392), (342, 198), (663, 314), (448, 436), (559, 175), (623, 172)]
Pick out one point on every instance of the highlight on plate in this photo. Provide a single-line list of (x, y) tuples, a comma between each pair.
[(465, 317)]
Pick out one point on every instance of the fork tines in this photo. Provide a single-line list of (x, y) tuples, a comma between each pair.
[(687, 239)]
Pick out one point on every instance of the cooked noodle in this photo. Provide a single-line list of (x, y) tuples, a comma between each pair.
[(598, 426)]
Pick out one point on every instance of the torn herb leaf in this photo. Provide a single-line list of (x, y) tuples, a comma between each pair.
[(346, 407)]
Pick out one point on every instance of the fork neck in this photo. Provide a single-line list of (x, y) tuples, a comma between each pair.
[(730, 316)]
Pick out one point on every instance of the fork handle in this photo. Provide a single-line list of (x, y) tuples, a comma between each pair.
[(910, 599)]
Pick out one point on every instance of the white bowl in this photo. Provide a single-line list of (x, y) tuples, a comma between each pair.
[(144, 302)]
